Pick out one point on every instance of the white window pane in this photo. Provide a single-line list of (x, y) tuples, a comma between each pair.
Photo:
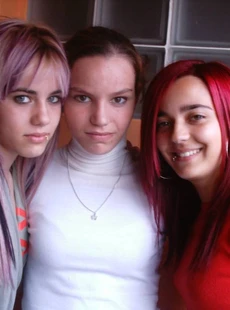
[(64, 16), (206, 55), (201, 22), (143, 21)]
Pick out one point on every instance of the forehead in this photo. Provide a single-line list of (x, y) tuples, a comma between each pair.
[(38, 72), (112, 68), (188, 90)]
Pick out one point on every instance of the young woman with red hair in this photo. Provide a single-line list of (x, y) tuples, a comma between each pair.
[(185, 173)]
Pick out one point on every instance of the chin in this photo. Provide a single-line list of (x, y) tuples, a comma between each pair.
[(33, 153), (188, 176)]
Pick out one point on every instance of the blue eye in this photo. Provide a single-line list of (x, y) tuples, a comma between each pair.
[(119, 100), (21, 99), (55, 99)]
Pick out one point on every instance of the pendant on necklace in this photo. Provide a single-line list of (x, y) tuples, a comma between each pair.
[(94, 216)]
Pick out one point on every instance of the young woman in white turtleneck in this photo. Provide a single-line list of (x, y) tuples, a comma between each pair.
[(93, 237)]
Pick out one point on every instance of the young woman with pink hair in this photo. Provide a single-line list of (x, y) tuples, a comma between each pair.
[(185, 173), (34, 79)]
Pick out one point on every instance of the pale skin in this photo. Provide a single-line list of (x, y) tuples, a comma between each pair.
[(101, 101), (189, 136), (29, 115)]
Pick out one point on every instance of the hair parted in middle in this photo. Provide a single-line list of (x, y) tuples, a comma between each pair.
[(175, 199), (102, 41)]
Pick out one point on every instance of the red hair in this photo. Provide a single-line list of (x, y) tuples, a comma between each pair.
[(175, 199)]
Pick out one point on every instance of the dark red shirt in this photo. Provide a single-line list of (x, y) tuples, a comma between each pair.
[(208, 289)]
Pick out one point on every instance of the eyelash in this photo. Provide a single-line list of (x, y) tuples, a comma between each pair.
[(18, 98), (80, 98), (59, 99), (162, 124), (195, 118), (124, 99)]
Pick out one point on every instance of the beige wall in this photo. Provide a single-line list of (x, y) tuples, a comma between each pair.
[(13, 8)]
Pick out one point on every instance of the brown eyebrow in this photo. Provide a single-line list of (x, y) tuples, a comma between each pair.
[(123, 91), (194, 106), (120, 92), (24, 90), (187, 108), (32, 92)]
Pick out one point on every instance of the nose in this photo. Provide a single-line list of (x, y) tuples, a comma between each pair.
[(40, 114), (100, 114), (180, 133)]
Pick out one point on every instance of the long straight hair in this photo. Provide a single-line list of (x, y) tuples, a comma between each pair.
[(20, 42), (175, 199)]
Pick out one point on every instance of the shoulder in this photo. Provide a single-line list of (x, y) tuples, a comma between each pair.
[(134, 151), (59, 158)]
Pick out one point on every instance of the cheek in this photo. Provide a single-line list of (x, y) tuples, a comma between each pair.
[(70, 116), (161, 143), (123, 119), (75, 121), (211, 136), (74, 115), (216, 143), (56, 115)]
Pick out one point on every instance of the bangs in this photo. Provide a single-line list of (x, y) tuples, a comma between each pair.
[(63, 75), (54, 63), (49, 62)]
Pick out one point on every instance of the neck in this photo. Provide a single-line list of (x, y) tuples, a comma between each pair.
[(7, 159), (106, 164), (206, 189)]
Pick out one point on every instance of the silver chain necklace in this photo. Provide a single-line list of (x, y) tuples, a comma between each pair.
[(94, 215)]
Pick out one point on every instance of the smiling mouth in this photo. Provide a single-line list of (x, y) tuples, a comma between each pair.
[(185, 154)]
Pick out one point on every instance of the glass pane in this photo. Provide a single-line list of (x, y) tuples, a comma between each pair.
[(201, 22), (206, 55), (64, 16), (143, 21), (154, 61)]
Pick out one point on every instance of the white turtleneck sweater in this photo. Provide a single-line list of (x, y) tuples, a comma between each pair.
[(76, 263)]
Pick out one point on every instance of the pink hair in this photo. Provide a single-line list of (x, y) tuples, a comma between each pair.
[(175, 199), (20, 42)]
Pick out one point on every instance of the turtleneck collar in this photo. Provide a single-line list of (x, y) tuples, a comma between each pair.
[(105, 164)]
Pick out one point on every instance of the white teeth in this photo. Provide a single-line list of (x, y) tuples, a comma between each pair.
[(186, 154)]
